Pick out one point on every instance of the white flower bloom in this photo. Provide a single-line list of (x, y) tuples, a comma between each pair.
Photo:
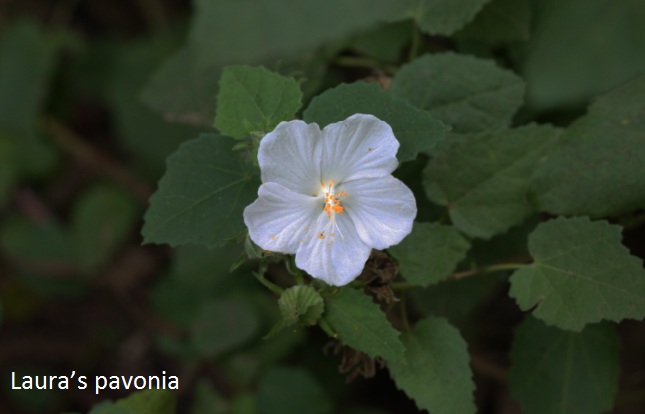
[(329, 197)]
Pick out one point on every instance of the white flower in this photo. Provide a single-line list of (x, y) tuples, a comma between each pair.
[(329, 197)]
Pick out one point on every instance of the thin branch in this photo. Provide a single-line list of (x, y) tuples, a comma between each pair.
[(84, 152)]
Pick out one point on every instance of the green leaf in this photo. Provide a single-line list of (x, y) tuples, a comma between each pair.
[(196, 275), (581, 274), (27, 61), (435, 373), (415, 129), (499, 22), (223, 325), (202, 195), (430, 253), (457, 299), (8, 168), (108, 407), (598, 167), (102, 220), (30, 242), (384, 42), (186, 93), (288, 390), (484, 180), (564, 71), (144, 134), (148, 402), (444, 17), (182, 91), (208, 400), (248, 31), (361, 325), (254, 100), (467, 93), (554, 371)]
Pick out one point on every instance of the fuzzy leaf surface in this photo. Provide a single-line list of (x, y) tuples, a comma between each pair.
[(470, 94), (361, 324), (415, 129), (201, 197), (436, 372), (581, 274), (444, 17), (248, 31), (484, 180), (598, 166), (555, 371), (441, 246), (254, 99)]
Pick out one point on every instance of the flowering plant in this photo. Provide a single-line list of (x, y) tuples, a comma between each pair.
[(329, 197)]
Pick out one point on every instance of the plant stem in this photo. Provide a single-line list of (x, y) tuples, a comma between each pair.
[(268, 284), (84, 152), (460, 275), (326, 327), (364, 62), (488, 269), (416, 42)]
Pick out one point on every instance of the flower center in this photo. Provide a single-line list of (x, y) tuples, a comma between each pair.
[(332, 199), (332, 207)]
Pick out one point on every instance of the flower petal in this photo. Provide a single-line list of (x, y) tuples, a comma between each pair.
[(382, 210), (280, 218), (290, 155), (337, 260), (361, 146)]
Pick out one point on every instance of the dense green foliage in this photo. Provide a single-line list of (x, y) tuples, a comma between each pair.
[(522, 135)]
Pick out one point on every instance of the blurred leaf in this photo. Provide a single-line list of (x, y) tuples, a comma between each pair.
[(581, 274), (500, 21), (430, 253), (582, 48), (253, 99), (31, 242), (598, 166), (248, 31), (557, 371), (415, 129), (108, 407), (457, 299), (244, 403), (361, 324), (181, 91), (435, 373), (143, 133), (291, 390), (208, 400), (467, 93), (34, 400), (8, 168), (484, 180), (196, 276), (102, 220), (444, 17), (201, 197), (27, 61), (384, 42), (222, 325), (151, 401)]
